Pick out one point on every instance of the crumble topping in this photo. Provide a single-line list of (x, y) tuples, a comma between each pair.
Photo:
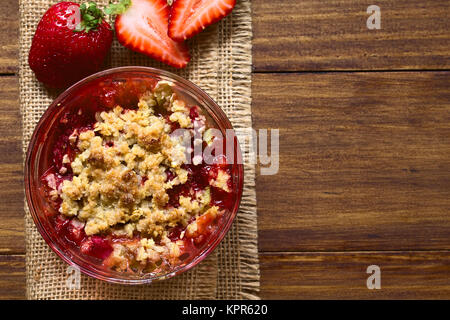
[(221, 181), (123, 171)]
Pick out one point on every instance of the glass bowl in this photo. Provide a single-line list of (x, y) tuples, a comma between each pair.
[(39, 159)]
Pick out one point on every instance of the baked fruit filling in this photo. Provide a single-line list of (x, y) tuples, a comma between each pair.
[(129, 190)]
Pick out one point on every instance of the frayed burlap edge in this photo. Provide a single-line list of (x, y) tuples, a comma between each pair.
[(221, 65)]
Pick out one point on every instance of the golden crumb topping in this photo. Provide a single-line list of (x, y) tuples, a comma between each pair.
[(221, 181), (120, 181), (123, 173)]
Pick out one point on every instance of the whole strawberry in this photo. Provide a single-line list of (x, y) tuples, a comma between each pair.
[(70, 43)]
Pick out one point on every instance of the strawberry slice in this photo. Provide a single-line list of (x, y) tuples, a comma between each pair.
[(141, 25), (189, 17)]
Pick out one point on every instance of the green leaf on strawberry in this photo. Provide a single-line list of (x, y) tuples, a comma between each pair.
[(91, 17), (118, 8)]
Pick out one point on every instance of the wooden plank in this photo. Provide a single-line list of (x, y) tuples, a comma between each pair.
[(404, 275), (332, 35), (12, 277), (364, 161), (11, 172), (9, 40)]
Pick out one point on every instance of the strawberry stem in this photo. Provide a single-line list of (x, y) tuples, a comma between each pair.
[(118, 8), (91, 17)]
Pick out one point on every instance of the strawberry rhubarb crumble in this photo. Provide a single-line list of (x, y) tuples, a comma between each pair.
[(127, 187)]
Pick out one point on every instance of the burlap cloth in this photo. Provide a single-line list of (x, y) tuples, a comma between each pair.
[(221, 65)]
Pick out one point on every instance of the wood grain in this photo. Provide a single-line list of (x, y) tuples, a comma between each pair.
[(364, 161), (9, 39), (12, 277), (404, 275), (12, 238), (291, 35)]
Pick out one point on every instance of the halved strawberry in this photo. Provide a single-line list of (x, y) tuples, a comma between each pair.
[(189, 17), (141, 25)]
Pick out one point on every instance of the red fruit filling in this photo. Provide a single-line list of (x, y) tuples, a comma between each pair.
[(102, 97)]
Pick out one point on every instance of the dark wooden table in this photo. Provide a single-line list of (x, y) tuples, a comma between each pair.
[(364, 119)]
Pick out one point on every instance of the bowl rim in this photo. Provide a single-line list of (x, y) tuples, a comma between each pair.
[(213, 107)]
